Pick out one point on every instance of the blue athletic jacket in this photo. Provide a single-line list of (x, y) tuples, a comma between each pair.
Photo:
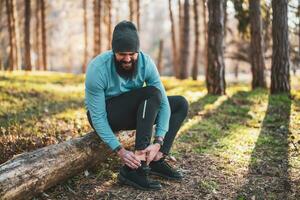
[(103, 82)]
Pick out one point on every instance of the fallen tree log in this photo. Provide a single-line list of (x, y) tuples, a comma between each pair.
[(29, 174)]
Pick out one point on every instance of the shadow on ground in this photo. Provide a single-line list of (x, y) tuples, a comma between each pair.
[(268, 176)]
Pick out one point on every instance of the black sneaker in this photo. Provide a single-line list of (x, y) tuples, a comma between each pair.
[(163, 169), (138, 178)]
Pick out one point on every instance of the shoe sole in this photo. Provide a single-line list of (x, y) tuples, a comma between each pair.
[(125, 181), (164, 176)]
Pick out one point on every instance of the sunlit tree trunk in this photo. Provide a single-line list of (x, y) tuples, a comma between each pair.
[(10, 32), (131, 10), (160, 56), (44, 36), (109, 24), (16, 33), (97, 27), (299, 33), (280, 72), (225, 18), (205, 34), (184, 51), (256, 45), (38, 62), (138, 15), (266, 29), (27, 16), (1, 34), (215, 77), (85, 54), (196, 50), (180, 28), (174, 44)]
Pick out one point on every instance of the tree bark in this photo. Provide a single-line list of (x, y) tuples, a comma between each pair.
[(16, 32), (109, 24), (197, 35), (184, 51), (160, 56), (299, 33), (10, 33), (44, 36), (174, 44), (267, 30), (28, 174), (97, 27), (215, 77), (280, 72), (27, 56), (225, 19), (38, 62), (138, 15), (205, 35), (131, 10), (180, 28), (85, 35), (256, 45)]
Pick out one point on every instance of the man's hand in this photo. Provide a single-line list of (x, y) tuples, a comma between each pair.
[(151, 152), (129, 158)]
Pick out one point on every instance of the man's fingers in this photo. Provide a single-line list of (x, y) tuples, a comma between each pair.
[(131, 159), (131, 164), (134, 158)]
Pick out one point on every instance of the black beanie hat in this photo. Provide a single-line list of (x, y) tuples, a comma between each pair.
[(125, 38)]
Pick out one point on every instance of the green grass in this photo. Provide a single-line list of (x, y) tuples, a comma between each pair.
[(246, 128)]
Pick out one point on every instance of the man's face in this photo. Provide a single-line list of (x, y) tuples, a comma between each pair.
[(126, 59), (126, 63)]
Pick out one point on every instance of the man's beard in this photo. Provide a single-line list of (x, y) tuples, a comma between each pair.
[(126, 73)]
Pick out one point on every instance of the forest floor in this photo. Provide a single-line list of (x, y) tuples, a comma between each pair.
[(243, 145)]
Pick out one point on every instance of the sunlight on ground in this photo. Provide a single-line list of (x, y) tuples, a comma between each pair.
[(43, 108)]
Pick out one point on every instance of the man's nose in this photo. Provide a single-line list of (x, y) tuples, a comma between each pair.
[(127, 58)]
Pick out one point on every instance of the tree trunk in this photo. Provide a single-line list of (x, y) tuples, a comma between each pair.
[(85, 35), (225, 19), (44, 37), (215, 77), (174, 45), (131, 10), (28, 174), (38, 62), (138, 15), (184, 51), (160, 56), (298, 34), (267, 30), (280, 72), (180, 28), (109, 24), (1, 33), (205, 36), (256, 45), (196, 51), (97, 27), (16, 33), (27, 36), (10, 32)]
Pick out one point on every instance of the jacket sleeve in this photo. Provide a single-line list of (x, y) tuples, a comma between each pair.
[(95, 103), (153, 79)]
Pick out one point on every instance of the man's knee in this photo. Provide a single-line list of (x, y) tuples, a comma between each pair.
[(154, 93), (184, 105)]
